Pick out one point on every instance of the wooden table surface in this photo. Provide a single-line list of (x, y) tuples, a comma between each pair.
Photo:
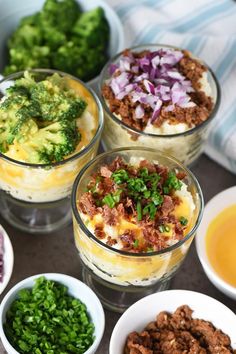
[(56, 252)]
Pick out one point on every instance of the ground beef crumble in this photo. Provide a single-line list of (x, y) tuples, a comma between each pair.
[(193, 70), (178, 333)]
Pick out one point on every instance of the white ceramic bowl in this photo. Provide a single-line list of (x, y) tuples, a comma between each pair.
[(13, 10), (75, 288), (146, 309), (8, 259), (212, 209)]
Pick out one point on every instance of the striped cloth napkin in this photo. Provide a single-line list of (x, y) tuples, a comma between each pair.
[(208, 29)]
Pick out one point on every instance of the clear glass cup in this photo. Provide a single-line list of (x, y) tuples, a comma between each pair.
[(36, 197), (186, 146), (121, 278)]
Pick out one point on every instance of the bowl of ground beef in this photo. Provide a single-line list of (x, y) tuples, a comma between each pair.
[(161, 97), (175, 322), (136, 211)]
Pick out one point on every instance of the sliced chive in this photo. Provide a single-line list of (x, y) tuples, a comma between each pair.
[(108, 200), (139, 211), (183, 221), (136, 243), (161, 228), (167, 228)]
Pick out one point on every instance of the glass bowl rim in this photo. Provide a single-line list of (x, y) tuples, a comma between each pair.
[(126, 253), (140, 132), (79, 153)]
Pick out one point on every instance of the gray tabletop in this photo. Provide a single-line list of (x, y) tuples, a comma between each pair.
[(56, 252)]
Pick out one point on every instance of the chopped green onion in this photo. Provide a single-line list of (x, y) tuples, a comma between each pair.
[(166, 190), (116, 195), (136, 243), (139, 211), (183, 221), (120, 176), (150, 209), (167, 228), (108, 200), (150, 249), (172, 182), (157, 198), (136, 185), (154, 178), (161, 228), (143, 172), (147, 194)]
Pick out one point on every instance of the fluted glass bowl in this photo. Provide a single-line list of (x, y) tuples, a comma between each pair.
[(185, 146), (118, 277), (35, 197)]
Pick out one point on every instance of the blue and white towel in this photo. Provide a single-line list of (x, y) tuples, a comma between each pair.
[(208, 29)]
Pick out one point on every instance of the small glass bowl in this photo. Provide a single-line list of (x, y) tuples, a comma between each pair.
[(186, 146), (35, 197), (118, 277)]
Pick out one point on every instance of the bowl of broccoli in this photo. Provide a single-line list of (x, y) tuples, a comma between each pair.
[(76, 37), (50, 127)]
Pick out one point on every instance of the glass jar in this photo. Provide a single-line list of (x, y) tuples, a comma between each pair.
[(36, 197), (119, 277), (186, 146)]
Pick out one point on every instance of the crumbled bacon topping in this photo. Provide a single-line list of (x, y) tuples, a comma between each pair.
[(143, 195)]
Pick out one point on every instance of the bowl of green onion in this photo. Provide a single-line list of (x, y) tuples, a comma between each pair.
[(51, 313)]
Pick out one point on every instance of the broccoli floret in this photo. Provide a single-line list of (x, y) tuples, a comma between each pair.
[(15, 111), (59, 14), (25, 36), (92, 28), (22, 59), (42, 117), (83, 61), (56, 103), (53, 38), (52, 143), (11, 119)]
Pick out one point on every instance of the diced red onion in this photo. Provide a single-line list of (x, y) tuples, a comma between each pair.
[(112, 69), (156, 72), (155, 61), (149, 87), (139, 112), (156, 111)]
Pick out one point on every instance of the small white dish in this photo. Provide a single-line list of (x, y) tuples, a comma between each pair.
[(146, 309), (76, 288), (12, 12), (8, 259), (216, 205)]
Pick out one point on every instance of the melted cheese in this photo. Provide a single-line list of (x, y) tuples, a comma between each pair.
[(221, 244)]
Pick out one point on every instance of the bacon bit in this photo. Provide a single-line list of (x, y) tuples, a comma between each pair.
[(127, 239), (87, 204), (121, 210), (99, 231), (176, 200), (181, 175), (117, 164), (167, 205), (179, 233), (147, 164), (110, 215), (105, 172), (111, 241), (154, 237), (129, 206)]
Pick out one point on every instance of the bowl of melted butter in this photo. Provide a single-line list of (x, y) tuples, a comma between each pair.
[(216, 241)]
